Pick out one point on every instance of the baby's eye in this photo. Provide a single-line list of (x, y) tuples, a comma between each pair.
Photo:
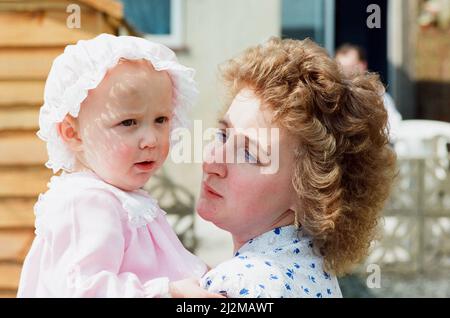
[(129, 122), (161, 120)]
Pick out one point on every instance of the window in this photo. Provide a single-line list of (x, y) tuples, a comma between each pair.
[(159, 20), (305, 18)]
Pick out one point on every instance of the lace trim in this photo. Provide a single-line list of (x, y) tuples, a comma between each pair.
[(140, 214)]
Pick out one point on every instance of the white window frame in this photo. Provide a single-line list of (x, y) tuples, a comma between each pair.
[(329, 20), (329, 32), (176, 38)]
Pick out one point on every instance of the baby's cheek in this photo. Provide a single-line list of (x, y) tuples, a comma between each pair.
[(120, 155), (125, 152), (165, 147)]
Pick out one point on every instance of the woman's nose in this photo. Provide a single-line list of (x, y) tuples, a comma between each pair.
[(213, 160)]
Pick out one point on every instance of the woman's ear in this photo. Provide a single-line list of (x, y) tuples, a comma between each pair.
[(69, 132)]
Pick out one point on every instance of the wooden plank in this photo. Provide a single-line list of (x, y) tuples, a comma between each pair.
[(28, 93), (9, 276), (17, 212), (49, 28), (8, 294), (110, 7), (27, 63), (14, 245), (23, 181), (33, 5), (19, 118), (22, 149)]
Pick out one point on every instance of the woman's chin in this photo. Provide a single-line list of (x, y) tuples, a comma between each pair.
[(205, 210), (209, 214)]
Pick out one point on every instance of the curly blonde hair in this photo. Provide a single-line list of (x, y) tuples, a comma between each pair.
[(344, 166)]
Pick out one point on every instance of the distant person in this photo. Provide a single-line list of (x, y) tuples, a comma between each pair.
[(353, 61)]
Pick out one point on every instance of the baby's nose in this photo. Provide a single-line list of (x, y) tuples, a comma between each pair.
[(148, 140)]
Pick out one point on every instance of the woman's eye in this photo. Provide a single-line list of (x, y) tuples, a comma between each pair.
[(161, 120), (129, 122), (221, 136), (249, 157)]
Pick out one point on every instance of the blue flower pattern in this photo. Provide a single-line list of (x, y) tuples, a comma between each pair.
[(243, 292), (290, 273), (279, 263)]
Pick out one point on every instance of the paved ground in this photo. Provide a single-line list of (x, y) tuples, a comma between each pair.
[(397, 285)]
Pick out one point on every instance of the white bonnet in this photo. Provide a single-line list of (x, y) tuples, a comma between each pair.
[(82, 67)]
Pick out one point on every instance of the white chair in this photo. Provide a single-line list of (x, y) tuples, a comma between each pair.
[(423, 142), (422, 139)]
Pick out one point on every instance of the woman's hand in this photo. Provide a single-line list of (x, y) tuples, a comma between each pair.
[(190, 288)]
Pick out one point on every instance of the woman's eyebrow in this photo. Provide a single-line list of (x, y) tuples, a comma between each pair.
[(224, 122)]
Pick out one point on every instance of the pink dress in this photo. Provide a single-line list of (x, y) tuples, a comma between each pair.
[(95, 240)]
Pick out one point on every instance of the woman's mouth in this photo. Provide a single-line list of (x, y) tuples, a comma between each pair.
[(145, 165), (210, 192)]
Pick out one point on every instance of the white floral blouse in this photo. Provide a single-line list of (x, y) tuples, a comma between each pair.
[(277, 264)]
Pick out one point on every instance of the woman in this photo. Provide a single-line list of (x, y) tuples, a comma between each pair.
[(296, 229)]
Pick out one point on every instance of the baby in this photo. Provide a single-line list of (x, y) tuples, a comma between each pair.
[(109, 108)]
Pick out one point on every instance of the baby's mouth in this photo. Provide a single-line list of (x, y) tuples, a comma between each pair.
[(145, 165)]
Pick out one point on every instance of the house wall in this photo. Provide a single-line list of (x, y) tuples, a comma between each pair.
[(402, 36), (419, 61)]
